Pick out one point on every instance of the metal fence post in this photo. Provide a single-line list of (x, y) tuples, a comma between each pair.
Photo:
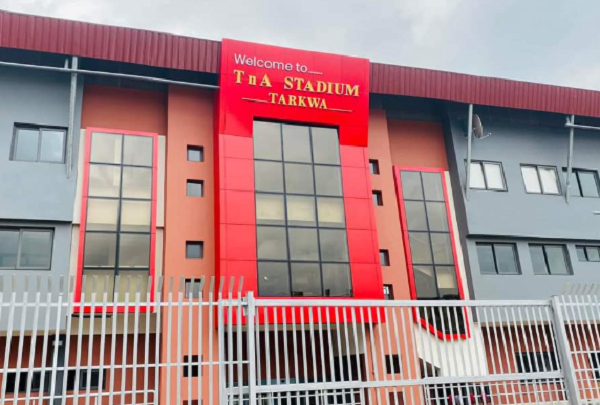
[(251, 348), (564, 352)]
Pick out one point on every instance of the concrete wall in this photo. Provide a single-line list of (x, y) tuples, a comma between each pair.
[(35, 190), (520, 137)]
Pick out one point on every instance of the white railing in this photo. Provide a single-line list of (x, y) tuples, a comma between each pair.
[(217, 345)]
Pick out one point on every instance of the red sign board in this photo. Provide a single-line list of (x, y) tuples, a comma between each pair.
[(267, 82), (262, 81)]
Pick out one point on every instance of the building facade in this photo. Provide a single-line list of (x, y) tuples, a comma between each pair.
[(133, 155)]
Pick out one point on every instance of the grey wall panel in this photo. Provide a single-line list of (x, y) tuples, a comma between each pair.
[(516, 215), (61, 247), (35, 190)]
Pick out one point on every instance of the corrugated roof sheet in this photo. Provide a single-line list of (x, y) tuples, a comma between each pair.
[(177, 52), (108, 42)]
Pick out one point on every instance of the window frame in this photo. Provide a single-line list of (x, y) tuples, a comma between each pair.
[(481, 164), (539, 179), (585, 252), (21, 230), (493, 246), (377, 198), (566, 256), (195, 148), (40, 129), (385, 253), (575, 173), (441, 334), (87, 307), (286, 226), (374, 167)]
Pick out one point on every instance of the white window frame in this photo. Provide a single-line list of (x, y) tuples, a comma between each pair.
[(20, 246), (482, 164), (539, 179)]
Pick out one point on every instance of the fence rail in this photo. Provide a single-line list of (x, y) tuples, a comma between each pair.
[(193, 342)]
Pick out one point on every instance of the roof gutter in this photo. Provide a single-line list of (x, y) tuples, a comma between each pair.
[(109, 74)]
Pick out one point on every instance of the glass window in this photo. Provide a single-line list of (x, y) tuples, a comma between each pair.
[(306, 280), (269, 209), (303, 244), (493, 176), (35, 249), (425, 282), (485, 254), (549, 259), (388, 292), (584, 183), (538, 260), (377, 198), (446, 282), (137, 150), (193, 287), (9, 248), (104, 181), (593, 253), (374, 166), (102, 214), (194, 188), (442, 248), (549, 180), (296, 144), (588, 253), (416, 219), (412, 188), (487, 176), (436, 216), (557, 261), (137, 182), (53, 146), (98, 282), (272, 243), (299, 179), (420, 247), (100, 250), (106, 148), (336, 280), (531, 179), (477, 180), (328, 180), (506, 258), (301, 211), (333, 245), (384, 257), (268, 176), (194, 250), (26, 144), (195, 153), (119, 211), (432, 186), (273, 279), (267, 140), (331, 212), (326, 147), (130, 283), (136, 216)]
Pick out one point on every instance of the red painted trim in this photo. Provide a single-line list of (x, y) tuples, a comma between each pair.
[(408, 255), (83, 218)]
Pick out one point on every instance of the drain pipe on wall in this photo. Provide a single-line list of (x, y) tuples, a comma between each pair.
[(571, 126), (469, 145), (72, 101)]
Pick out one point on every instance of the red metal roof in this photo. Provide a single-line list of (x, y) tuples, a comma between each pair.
[(177, 52), (108, 42)]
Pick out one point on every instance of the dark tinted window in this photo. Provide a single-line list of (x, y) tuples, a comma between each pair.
[(194, 250), (303, 251), (497, 258), (550, 259)]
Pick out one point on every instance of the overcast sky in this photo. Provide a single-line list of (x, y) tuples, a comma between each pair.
[(547, 41)]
